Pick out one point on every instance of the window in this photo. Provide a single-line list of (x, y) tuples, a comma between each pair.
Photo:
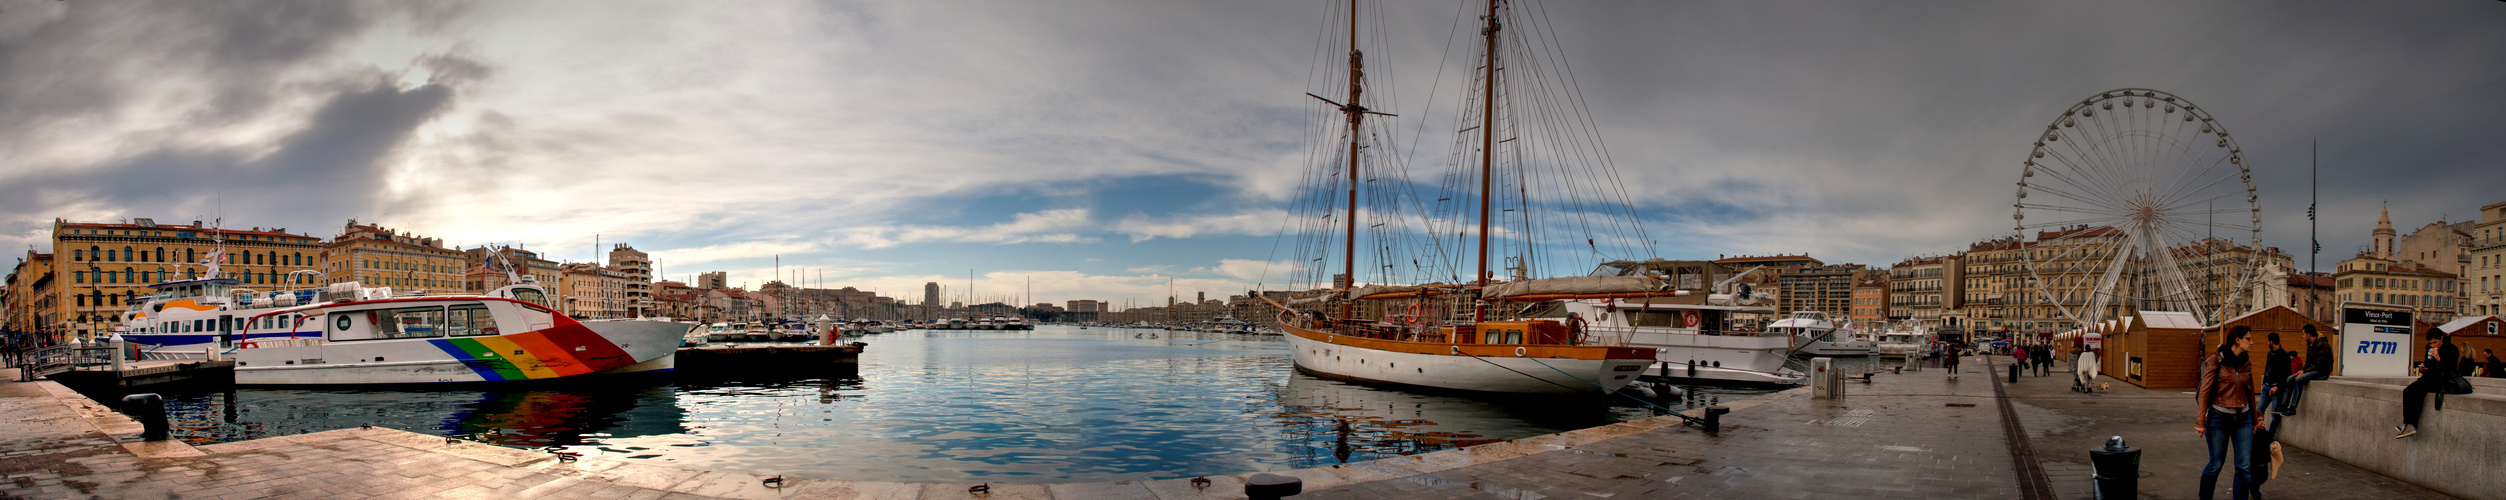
[(470, 320), (408, 322)]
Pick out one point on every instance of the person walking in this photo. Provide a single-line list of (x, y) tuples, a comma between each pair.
[(2436, 375), (1949, 360), (2044, 359), (2318, 365), (2225, 397)]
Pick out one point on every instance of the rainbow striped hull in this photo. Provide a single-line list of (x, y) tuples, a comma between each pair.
[(564, 348)]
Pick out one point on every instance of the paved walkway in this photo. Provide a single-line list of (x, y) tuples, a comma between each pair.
[(2063, 425), (1911, 435)]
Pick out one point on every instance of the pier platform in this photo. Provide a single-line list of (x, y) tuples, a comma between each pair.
[(150, 373), (718, 360), (1912, 435)]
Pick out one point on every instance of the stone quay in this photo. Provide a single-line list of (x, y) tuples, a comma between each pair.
[(1916, 434)]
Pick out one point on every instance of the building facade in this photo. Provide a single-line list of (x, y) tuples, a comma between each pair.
[(1870, 302), (637, 266), (589, 291), (1917, 288), (380, 257), (2488, 262), (111, 265), (485, 268), (31, 302)]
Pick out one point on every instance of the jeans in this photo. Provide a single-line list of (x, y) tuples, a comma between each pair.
[(2231, 431), (2295, 390)]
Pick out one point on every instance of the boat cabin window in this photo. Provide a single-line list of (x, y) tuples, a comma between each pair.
[(470, 320), (532, 296), (380, 324)]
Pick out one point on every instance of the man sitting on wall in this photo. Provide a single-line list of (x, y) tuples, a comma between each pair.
[(2318, 366)]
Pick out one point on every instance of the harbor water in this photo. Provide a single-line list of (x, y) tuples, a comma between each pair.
[(1055, 404)]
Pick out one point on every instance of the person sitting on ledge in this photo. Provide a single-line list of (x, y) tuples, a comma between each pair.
[(2318, 366), (2436, 371)]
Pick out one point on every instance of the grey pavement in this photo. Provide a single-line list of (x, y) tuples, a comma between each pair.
[(1910, 435), (2062, 426)]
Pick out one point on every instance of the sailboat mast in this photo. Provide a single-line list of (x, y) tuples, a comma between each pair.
[(1487, 143), (1357, 115)]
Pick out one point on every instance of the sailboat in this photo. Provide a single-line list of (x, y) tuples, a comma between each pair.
[(1410, 345)]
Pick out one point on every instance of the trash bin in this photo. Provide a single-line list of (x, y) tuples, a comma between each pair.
[(2115, 470), (2014, 373)]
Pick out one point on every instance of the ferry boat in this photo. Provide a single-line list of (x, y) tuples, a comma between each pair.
[(351, 334), (1813, 334)]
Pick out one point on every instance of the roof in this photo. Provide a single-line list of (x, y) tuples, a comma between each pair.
[(2170, 319), (2303, 280), (176, 227), (2458, 324)]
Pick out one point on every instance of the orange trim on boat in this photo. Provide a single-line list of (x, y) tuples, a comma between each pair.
[(1484, 350)]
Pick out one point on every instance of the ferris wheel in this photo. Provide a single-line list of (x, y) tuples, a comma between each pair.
[(2137, 200)]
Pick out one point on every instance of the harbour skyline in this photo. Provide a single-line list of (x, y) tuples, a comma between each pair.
[(1110, 150)]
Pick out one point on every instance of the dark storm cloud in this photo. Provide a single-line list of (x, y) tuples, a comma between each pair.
[(332, 166), (103, 106)]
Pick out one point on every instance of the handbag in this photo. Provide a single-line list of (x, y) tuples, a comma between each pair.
[(2454, 384)]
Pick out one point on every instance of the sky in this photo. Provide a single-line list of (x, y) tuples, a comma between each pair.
[(1113, 150)]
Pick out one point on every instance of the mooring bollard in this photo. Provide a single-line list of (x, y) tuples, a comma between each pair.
[(2014, 373), (1714, 418), (149, 409), (2115, 470), (118, 355), (1823, 378), (1272, 487)]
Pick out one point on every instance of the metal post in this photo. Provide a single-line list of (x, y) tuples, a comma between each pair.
[(149, 409), (118, 355)]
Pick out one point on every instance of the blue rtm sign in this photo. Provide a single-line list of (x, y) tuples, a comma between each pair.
[(2378, 347)]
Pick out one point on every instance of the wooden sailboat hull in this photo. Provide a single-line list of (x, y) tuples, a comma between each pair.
[(1521, 369)]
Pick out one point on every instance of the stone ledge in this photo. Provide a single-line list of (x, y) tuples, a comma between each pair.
[(2351, 420)]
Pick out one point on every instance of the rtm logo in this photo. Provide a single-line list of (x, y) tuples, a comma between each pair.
[(2378, 347)]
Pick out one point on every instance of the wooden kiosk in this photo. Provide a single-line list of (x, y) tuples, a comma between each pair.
[(2473, 333), (2287, 322), (2155, 350)]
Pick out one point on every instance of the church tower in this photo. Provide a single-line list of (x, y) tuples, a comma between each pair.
[(2384, 236)]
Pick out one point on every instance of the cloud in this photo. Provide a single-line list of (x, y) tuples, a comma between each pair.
[(1049, 226), (1253, 270), (731, 251), (920, 135)]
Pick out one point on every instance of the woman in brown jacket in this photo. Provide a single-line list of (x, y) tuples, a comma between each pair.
[(2226, 399)]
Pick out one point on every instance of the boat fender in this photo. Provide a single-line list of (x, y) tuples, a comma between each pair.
[(1643, 392)]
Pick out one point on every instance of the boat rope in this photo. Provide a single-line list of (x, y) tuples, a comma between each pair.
[(1517, 372), (1683, 417)]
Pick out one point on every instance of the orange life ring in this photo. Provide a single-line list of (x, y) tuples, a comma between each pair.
[(251, 345), (1690, 317)]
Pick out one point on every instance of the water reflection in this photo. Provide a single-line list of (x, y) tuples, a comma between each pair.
[(1049, 405)]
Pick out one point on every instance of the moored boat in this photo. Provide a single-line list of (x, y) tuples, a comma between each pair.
[(351, 334), (1815, 335)]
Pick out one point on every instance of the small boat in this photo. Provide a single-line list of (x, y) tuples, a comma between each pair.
[(1899, 343), (1814, 335), (721, 332)]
